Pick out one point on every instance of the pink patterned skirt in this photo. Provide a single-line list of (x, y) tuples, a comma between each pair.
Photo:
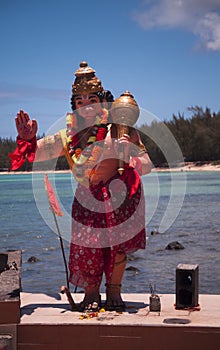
[(106, 219)]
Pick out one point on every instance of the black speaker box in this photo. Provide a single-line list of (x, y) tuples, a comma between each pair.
[(187, 286)]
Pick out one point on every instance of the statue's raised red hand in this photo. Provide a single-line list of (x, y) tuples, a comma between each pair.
[(26, 127)]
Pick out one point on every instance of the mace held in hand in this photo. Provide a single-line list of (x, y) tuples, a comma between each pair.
[(125, 113)]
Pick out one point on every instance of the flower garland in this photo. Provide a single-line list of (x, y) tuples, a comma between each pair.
[(71, 133), (86, 159)]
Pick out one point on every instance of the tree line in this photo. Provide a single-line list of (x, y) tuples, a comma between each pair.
[(8, 145), (198, 138)]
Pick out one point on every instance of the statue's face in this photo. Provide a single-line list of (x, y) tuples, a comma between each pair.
[(88, 106)]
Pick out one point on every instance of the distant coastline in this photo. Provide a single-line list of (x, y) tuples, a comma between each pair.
[(186, 167), (189, 166)]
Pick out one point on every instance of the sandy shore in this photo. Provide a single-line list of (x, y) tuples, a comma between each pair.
[(182, 167), (35, 172), (190, 167)]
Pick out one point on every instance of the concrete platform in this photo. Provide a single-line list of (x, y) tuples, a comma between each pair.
[(41, 308), (47, 322)]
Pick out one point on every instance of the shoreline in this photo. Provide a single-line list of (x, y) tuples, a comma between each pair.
[(187, 167)]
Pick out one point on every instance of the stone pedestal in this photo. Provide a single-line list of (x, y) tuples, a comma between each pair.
[(10, 287), (187, 285)]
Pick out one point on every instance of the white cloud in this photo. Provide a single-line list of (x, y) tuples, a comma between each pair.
[(209, 30), (201, 17)]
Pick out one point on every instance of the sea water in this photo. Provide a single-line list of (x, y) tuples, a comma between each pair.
[(182, 207)]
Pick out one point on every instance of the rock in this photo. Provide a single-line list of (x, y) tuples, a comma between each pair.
[(132, 257), (154, 232), (33, 259), (174, 245), (132, 268)]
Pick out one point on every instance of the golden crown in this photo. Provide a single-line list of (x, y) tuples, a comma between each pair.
[(86, 80)]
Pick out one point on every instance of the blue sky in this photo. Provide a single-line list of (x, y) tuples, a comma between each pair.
[(166, 52)]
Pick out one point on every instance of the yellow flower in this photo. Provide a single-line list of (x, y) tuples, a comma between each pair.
[(92, 139), (69, 139)]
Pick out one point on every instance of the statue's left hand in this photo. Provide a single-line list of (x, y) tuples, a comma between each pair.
[(26, 127)]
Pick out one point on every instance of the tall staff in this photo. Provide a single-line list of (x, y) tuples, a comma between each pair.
[(56, 210), (125, 113)]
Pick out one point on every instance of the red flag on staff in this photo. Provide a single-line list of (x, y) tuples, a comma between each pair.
[(52, 197)]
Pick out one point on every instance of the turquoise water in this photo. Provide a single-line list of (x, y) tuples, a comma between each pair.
[(183, 207)]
